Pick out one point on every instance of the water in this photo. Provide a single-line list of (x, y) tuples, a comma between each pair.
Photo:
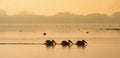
[(101, 43)]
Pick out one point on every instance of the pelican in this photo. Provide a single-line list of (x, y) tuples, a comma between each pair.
[(50, 43), (81, 43), (67, 43)]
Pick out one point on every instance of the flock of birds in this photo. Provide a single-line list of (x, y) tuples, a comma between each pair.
[(69, 43)]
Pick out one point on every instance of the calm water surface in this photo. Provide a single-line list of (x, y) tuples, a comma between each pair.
[(101, 43)]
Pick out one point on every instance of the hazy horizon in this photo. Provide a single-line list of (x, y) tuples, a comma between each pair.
[(59, 18), (59, 11), (51, 7)]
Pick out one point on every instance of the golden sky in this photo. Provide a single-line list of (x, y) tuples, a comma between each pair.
[(51, 7)]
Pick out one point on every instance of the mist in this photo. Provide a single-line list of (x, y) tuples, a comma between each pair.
[(59, 18)]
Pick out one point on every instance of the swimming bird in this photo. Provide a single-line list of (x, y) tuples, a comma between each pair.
[(81, 43), (50, 43), (44, 34), (67, 43)]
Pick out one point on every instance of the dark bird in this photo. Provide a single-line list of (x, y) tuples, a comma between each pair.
[(81, 43), (87, 32), (68, 43), (44, 34), (50, 43)]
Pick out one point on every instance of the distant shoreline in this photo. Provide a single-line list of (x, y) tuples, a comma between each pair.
[(111, 29)]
